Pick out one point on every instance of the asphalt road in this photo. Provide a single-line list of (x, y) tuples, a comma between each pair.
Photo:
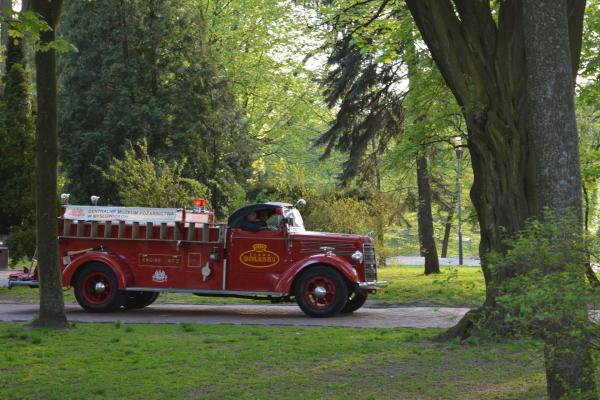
[(410, 317), (366, 317)]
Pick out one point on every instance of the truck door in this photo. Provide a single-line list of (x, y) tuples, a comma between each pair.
[(256, 259)]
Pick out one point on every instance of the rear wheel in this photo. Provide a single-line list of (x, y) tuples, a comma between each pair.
[(355, 301), (139, 299), (97, 290), (321, 292)]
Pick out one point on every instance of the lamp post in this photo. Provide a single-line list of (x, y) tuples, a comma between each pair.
[(459, 151)]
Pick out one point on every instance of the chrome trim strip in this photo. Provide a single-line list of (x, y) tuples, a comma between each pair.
[(372, 285), (328, 244), (348, 252), (204, 291)]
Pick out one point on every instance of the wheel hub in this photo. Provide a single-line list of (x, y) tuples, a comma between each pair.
[(320, 292), (99, 287)]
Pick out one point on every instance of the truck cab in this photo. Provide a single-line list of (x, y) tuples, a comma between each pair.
[(117, 257)]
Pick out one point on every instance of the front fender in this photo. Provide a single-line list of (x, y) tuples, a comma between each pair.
[(342, 266), (114, 262)]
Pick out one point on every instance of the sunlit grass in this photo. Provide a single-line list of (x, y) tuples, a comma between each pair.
[(186, 361)]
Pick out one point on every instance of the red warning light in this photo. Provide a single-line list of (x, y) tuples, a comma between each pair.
[(199, 203)]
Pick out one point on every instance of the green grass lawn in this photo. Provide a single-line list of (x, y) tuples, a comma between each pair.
[(462, 286), (129, 361)]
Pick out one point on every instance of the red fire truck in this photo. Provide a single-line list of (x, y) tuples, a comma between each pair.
[(117, 257)]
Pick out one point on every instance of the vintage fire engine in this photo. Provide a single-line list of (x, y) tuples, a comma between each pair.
[(117, 257)]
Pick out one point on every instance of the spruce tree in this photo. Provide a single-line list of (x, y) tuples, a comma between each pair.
[(17, 148), (143, 71)]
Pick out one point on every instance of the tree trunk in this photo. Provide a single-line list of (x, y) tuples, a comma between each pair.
[(52, 308), (553, 128), (380, 224), (447, 228), (481, 56), (426, 239)]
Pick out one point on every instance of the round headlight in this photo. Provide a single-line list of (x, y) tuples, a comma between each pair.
[(357, 256)]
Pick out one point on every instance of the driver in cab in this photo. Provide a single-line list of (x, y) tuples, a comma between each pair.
[(254, 223)]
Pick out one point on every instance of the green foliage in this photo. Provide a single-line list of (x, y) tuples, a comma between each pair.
[(588, 124), (542, 276), (343, 214), (21, 242), (145, 70), (589, 84), (143, 181), (28, 24), (542, 292), (17, 152), (272, 58)]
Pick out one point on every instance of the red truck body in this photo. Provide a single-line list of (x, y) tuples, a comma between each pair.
[(123, 257)]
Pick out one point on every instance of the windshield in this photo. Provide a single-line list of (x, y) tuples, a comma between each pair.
[(296, 222)]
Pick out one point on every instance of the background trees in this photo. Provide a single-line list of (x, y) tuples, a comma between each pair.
[(17, 152), (145, 70)]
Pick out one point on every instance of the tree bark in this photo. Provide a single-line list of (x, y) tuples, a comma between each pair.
[(52, 308), (447, 228), (553, 128), (426, 239), (482, 59)]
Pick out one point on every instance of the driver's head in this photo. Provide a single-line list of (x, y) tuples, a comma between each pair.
[(252, 216)]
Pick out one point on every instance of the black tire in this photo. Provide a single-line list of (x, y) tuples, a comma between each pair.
[(332, 296), (139, 299), (93, 297), (355, 301)]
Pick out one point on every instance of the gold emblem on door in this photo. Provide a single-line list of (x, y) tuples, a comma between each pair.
[(259, 257)]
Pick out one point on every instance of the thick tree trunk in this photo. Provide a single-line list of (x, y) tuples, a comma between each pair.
[(447, 229), (426, 239), (553, 127), (52, 308), (481, 56)]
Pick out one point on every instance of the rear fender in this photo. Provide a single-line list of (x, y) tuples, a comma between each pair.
[(117, 264), (287, 278)]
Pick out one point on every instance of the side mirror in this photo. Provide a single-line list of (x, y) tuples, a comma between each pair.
[(300, 203), (288, 220)]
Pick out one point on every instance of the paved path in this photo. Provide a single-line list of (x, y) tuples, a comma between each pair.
[(404, 260), (409, 317)]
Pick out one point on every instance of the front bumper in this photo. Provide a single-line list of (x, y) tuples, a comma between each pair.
[(372, 285), (30, 283)]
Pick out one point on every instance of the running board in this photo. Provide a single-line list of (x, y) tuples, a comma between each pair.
[(206, 292)]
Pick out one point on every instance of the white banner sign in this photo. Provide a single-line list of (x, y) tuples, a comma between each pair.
[(129, 214)]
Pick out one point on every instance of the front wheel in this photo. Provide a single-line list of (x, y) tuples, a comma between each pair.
[(355, 301), (321, 292), (139, 299), (97, 290)]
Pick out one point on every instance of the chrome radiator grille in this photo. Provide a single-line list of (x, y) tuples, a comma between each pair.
[(370, 263)]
